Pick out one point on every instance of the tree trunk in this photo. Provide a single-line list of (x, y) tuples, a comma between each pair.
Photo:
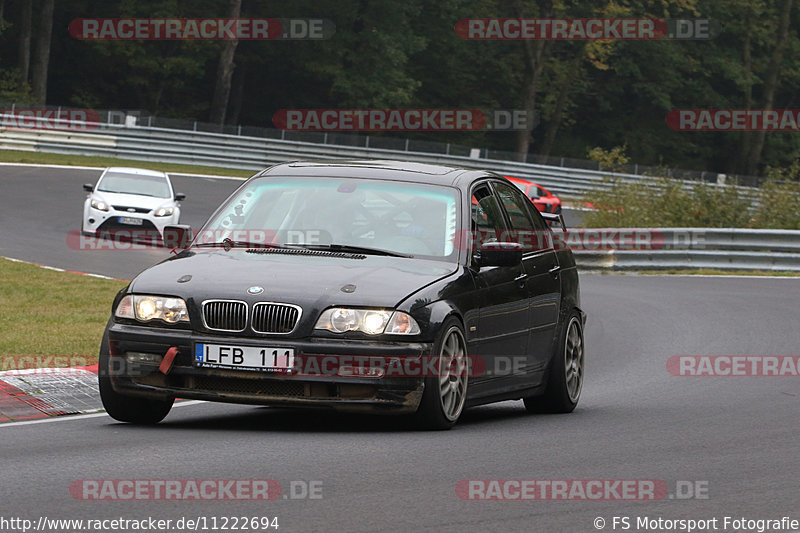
[(574, 71), (237, 94), (24, 57), (534, 56), (222, 91), (746, 138), (41, 59), (771, 84)]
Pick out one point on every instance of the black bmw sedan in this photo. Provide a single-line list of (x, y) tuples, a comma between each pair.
[(361, 285)]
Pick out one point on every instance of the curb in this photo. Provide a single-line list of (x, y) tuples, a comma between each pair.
[(56, 269), (38, 393)]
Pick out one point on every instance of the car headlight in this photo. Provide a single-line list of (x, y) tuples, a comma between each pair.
[(164, 211), (369, 321), (145, 308), (100, 205)]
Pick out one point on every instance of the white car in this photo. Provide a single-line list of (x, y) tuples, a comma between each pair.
[(131, 201)]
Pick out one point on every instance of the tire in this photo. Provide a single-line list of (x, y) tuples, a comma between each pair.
[(444, 395), (124, 408), (565, 380)]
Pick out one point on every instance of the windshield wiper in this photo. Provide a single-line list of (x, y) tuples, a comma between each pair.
[(229, 243), (353, 249)]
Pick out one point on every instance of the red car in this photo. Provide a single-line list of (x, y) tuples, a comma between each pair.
[(543, 199)]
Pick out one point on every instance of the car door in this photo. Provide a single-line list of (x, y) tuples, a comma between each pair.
[(542, 284), (500, 335)]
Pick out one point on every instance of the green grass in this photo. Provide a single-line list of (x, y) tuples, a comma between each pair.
[(44, 312), (21, 156)]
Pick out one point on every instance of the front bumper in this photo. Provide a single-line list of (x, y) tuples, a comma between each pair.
[(150, 226), (324, 388)]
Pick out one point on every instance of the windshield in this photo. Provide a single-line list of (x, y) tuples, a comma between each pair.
[(400, 217), (120, 182)]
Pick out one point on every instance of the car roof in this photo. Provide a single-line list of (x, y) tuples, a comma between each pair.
[(378, 169), (137, 171)]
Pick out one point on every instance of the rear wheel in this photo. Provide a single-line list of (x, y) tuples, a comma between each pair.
[(565, 381), (127, 408), (445, 394)]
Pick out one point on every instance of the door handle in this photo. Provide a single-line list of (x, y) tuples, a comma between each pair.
[(554, 270), (521, 279)]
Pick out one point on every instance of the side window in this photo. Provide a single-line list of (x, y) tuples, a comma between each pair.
[(487, 218), (526, 229)]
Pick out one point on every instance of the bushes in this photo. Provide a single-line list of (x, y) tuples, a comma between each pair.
[(778, 206), (663, 202)]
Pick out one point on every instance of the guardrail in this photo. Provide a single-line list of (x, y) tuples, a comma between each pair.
[(738, 249), (686, 248), (254, 153)]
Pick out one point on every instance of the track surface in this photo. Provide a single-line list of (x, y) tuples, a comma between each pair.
[(635, 420)]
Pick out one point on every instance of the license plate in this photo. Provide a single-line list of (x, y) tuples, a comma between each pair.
[(253, 358), (130, 221)]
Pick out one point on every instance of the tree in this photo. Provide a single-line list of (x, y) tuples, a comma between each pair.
[(222, 89), (754, 144), (41, 59), (24, 57)]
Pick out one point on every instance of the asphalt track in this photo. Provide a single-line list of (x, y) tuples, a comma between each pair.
[(736, 436)]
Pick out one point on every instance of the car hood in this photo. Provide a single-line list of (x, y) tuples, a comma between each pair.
[(313, 282), (132, 200)]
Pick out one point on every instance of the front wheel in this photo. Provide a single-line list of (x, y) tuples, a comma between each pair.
[(445, 394), (131, 409), (565, 380)]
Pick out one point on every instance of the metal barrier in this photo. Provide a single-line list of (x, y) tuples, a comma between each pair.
[(739, 249), (686, 248), (254, 153)]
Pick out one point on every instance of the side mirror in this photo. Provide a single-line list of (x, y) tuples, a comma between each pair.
[(179, 197), (552, 218), (499, 254), (88, 187), (178, 236)]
